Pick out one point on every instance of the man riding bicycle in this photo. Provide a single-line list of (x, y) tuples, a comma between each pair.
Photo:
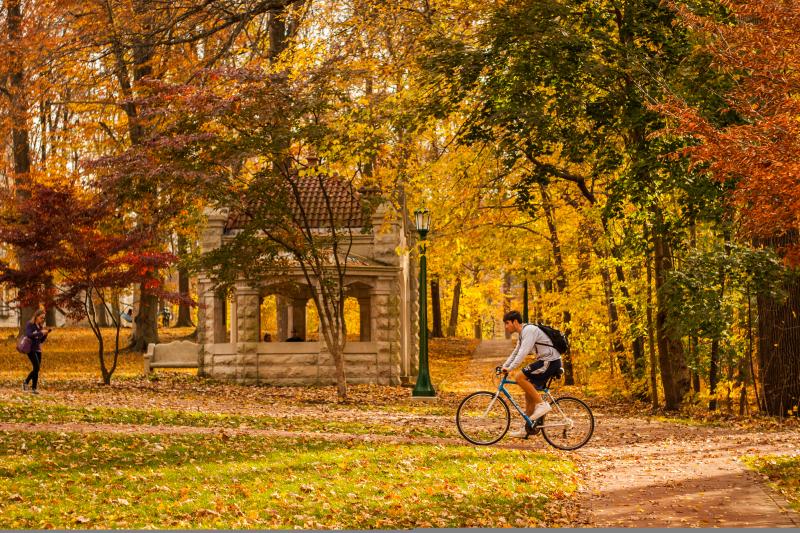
[(548, 363)]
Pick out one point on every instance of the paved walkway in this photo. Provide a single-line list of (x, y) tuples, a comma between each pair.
[(493, 349)]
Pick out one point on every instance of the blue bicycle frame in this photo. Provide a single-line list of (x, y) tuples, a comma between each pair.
[(530, 423)]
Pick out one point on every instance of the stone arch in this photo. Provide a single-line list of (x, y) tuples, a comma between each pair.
[(362, 292), (290, 308)]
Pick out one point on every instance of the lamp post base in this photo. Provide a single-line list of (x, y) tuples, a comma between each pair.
[(425, 398), (423, 392)]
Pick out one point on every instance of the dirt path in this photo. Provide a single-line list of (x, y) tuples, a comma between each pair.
[(657, 474)]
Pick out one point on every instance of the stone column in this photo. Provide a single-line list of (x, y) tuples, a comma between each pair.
[(234, 313), (282, 311), (365, 311), (299, 316), (386, 310), (396, 300), (210, 316), (247, 329)]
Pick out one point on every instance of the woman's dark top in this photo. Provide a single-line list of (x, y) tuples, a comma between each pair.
[(37, 337)]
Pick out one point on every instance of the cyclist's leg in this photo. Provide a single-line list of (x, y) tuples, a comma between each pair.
[(532, 396)]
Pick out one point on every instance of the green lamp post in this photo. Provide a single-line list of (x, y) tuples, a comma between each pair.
[(423, 388)]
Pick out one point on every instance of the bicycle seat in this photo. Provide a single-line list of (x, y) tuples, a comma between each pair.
[(556, 376)]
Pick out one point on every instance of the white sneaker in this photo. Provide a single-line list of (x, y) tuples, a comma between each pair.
[(519, 434), (540, 410)]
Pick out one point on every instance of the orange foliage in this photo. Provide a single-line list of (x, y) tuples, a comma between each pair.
[(761, 154)]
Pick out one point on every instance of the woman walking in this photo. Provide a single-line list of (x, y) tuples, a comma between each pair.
[(38, 335)]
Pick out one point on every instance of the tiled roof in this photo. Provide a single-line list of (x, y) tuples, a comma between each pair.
[(345, 202)]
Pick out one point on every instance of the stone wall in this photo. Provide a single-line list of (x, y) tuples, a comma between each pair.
[(297, 363)]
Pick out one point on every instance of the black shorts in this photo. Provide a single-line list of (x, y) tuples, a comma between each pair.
[(539, 372)]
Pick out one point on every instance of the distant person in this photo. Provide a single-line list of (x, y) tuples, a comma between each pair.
[(267, 337), (127, 317), (295, 337), (37, 334), (166, 316)]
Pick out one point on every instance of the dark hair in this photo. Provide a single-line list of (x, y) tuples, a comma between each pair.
[(511, 316), (37, 314)]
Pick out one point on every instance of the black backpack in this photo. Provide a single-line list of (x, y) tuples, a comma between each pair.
[(558, 340)]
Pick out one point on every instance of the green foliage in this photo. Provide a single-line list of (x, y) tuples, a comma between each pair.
[(706, 310)]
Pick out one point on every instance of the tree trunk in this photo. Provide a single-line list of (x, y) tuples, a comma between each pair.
[(753, 379), (144, 329), (436, 308), (101, 317), (145, 323), (453, 324), (184, 317), (674, 372), (637, 345), (617, 348), (561, 279), (693, 356), (779, 341), (651, 336), (18, 118), (506, 297), (713, 368), (714, 363)]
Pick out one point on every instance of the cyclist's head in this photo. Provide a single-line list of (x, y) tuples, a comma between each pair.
[(512, 316)]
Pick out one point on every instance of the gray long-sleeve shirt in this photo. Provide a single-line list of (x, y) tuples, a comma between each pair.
[(531, 339)]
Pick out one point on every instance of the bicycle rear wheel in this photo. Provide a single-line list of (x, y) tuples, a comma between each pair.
[(483, 419), (569, 425)]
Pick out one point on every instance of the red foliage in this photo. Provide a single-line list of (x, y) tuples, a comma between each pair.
[(78, 241), (761, 51)]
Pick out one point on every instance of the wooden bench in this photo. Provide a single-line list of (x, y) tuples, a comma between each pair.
[(178, 354)]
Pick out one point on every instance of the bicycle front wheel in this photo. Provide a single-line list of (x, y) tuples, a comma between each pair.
[(569, 425), (483, 419)]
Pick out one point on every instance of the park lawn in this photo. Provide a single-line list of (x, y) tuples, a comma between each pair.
[(783, 472), (60, 480), (27, 410)]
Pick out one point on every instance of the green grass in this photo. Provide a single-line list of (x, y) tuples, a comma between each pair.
[(191, 481), (31, 412), (783, 473)]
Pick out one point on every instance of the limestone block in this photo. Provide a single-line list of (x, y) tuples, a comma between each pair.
[(279, 359), (325, 359), (247, 317), (225, 361), (359, 358), (248, 359), (248, 372), (288, 372), (225, 372), (329, 371)]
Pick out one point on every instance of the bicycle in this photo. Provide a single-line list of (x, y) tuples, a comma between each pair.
[(483, 417)]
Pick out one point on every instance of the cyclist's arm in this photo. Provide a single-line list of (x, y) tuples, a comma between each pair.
[(524, 347), (510, 360)]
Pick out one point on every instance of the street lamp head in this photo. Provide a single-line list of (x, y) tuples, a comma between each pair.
[(423, 220)]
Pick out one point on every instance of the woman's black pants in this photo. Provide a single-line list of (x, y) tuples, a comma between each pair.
[(36, 361)]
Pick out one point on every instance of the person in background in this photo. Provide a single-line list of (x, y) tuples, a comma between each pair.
[(295, 337), (37, 334), (127, 318)]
